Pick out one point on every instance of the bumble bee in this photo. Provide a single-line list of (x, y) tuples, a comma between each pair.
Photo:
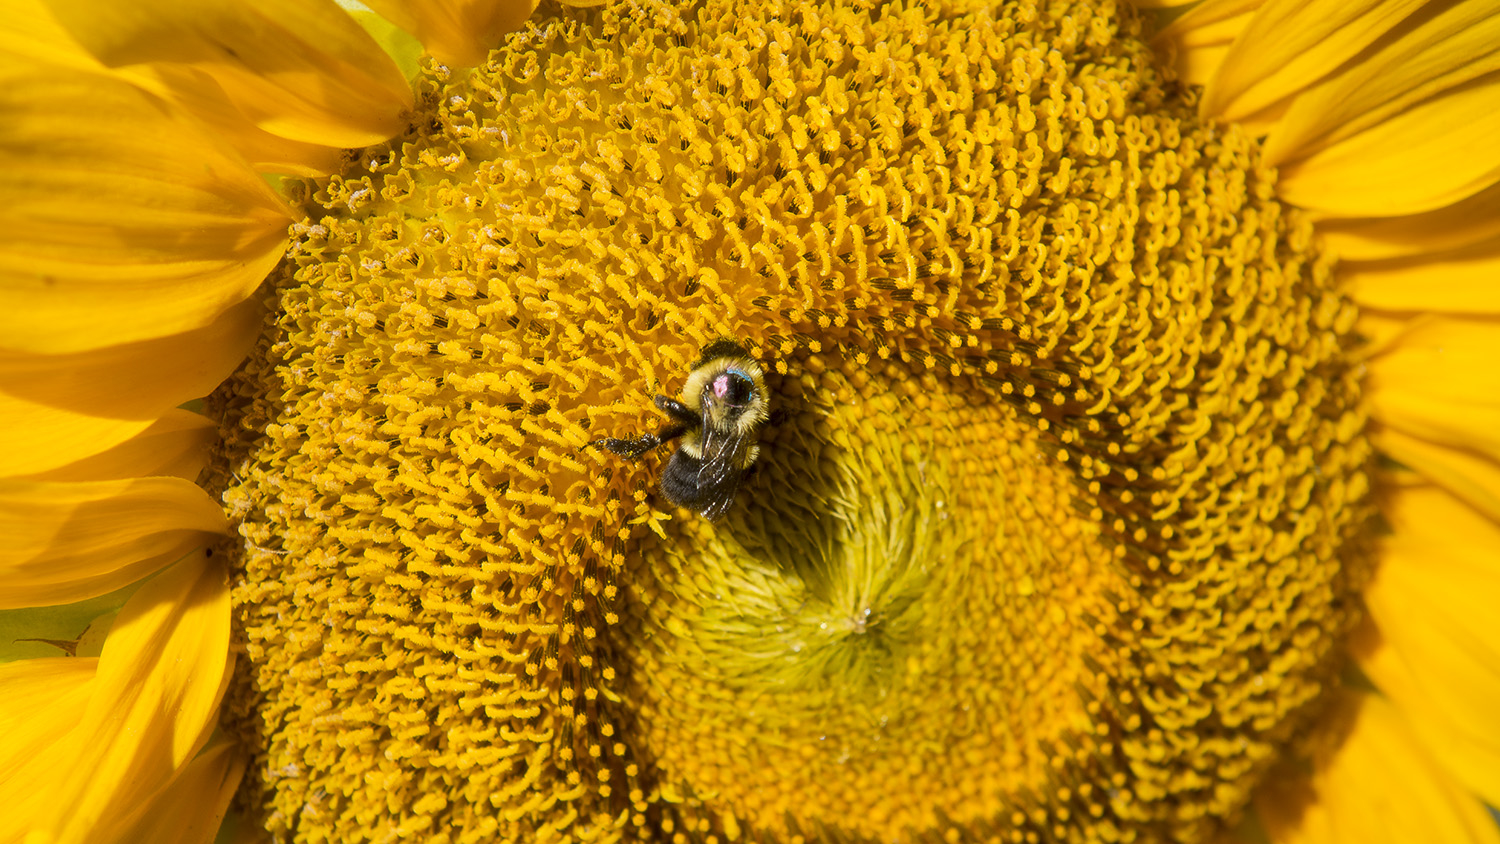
[(724, 403)]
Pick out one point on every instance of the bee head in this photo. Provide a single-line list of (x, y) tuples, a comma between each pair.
[(729, 390), (733, 388)]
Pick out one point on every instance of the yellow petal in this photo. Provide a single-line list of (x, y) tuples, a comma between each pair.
[(403, 47), (1291, 44), (202, 96), (1472, 761), (53, 690), (300, 69), (44, 701), (176, 445), (1434, 395), (190, 808), (63, 542), (1440, 48), (161, 676), (1469, 223), (29, 33), (1437, 152), (1473, 477), (108, 239), (1205, 17), (1439, 382), (1378, 786), (1433, 644), (1198, 42), (1196, 65), (459, 33), (56, 409), (1466, 281)]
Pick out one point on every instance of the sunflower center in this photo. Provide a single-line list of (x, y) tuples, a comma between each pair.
[(1055, 532), (879, 636)]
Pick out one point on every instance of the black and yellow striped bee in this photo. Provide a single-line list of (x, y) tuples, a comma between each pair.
[(724, 402)]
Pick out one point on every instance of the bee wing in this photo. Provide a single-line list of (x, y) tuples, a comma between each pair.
[(720, 455), (719, 472), (715, 501)]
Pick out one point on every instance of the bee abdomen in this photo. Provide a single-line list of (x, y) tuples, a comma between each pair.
[(684, 484)]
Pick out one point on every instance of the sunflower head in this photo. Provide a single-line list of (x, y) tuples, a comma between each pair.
[(1056, 533)]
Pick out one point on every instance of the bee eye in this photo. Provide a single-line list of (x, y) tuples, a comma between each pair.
[(733, 388)]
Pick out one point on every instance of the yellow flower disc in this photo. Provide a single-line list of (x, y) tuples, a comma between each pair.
[(1056, 536)]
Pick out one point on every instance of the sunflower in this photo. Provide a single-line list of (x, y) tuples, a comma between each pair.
[(1133, 472)]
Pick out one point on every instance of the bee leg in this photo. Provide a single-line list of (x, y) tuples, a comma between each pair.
[(633, 449), (678, 411)]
